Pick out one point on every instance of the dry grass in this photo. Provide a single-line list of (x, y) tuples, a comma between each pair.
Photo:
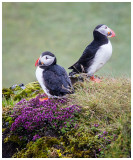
[(108, 104)]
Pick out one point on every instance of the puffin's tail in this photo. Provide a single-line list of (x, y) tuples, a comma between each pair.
[(68, 90), (71, 67), (73, 72)]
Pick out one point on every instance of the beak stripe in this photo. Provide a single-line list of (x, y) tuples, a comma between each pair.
[(112, 33), (36, 64)]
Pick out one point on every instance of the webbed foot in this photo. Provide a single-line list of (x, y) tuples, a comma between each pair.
[(97, 80), (43, 99)]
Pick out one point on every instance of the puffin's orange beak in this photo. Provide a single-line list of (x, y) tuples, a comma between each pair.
[(36, 64), (111, 34)]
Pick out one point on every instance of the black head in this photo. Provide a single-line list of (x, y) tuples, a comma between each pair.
[(46, 59), (97, 27), (103, 31)]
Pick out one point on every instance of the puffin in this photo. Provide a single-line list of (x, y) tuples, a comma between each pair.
[(52, 78), (96, 54)]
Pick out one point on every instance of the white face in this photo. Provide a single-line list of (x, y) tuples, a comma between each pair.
[(105, 30), (47, 60)]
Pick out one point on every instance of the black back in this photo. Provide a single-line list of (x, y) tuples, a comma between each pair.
[(89, 53), (57, 81)]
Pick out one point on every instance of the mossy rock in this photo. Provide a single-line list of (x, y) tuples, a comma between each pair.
[(17, 93), (6, 92), (15, 139), (38, 149)]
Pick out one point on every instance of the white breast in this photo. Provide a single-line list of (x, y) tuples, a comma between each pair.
[(39, 76), (102, 56)]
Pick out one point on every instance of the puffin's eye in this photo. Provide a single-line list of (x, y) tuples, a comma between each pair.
[(46, 58), (106, 27)]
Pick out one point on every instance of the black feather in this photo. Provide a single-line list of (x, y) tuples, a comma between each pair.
[(57, 81)]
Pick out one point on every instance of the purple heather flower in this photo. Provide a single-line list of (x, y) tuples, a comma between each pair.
[(100, 135), (76, 125), (78, 134), (96, 125), (99, 149), (32, 115), (104, 132), (36, 137)]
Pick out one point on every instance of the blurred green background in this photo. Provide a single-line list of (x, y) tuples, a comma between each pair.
[(66, 28)]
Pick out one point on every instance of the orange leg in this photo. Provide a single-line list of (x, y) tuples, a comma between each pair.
[(43, 99), (97, 80)]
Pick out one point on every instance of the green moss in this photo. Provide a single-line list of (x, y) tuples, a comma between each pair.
[(50, 141), (81, 144), (9, 120), (3, 130), (38, 149), (15, 139), (6, 92), (30, 91)]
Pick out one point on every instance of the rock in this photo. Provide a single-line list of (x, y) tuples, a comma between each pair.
[(13, 86)]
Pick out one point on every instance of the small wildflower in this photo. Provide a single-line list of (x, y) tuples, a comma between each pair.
[(36, 137), (20, 137), (59, 154), (96, 125), (99, 149), (104, 132), (76, 125), (58, 150)]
